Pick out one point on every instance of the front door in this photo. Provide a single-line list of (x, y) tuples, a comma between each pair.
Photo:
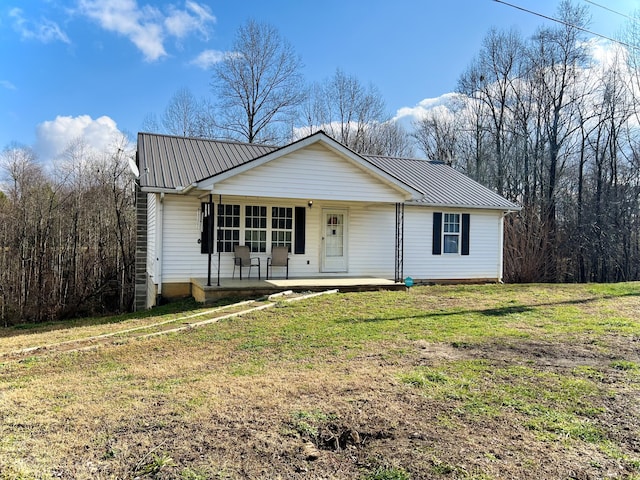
[(334, 241)]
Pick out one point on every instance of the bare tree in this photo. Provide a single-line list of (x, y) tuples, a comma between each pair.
[(184, 115), (150, 123), (557, 56), (437, 135), (354, 115), (490, 79), (258, 84), (66, 237), (390, 139)]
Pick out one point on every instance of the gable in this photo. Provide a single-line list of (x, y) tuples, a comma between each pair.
[(315, 171), (316, 166)]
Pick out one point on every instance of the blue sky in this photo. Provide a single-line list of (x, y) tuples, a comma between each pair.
[(92, 67)]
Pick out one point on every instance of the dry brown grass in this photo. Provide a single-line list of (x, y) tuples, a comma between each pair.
[(319, 390)]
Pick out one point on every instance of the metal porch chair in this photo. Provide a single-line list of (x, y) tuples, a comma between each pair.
[(242, 258), (279, 258)]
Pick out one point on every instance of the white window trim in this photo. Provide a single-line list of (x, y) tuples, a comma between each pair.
[(269, 230), (457, 234)]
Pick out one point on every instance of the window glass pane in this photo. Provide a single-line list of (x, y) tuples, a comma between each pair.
[(281, 226), (451, 243), (228, 227), (255, 234)]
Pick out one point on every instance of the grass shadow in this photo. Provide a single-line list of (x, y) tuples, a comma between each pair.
[(178, 307), (494, 312)]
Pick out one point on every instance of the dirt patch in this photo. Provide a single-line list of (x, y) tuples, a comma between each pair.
[(222, 402), (248, 431)]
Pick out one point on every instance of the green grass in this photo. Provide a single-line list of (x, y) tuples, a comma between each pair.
[(547, 375), (556, 406)]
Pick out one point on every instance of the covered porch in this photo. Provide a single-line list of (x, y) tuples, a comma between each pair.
[(252, 287)]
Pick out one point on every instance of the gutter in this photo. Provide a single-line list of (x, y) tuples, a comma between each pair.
[(179, 189), (508, 210), (184, 190)]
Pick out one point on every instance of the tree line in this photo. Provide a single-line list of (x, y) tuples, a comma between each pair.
[(67, 235), (542, 122), (537, 119)]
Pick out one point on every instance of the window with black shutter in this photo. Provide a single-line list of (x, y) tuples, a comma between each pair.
[(451, 233)]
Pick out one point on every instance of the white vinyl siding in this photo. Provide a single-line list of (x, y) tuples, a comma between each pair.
[(370, 249), (319, 174), (181, 257), (484, 257), (372, 241)]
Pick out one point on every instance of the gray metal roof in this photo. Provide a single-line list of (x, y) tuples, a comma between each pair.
[(169, 162), (441, 184)]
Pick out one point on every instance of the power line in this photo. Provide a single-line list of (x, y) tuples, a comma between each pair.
[(567, 24), (604, 7)]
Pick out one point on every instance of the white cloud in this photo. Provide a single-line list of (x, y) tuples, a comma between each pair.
[(54, 136), (126, 18), (8, 85), (181, 22), (447, 102), (208, 58), (606, 53), (145, 26), (45, 31)]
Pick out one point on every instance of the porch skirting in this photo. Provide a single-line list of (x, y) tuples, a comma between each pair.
[(251, 288)]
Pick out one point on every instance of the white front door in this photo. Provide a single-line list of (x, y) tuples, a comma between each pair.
[(334, 241)]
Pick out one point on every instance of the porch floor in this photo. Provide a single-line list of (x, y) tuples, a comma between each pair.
[(252, 287)]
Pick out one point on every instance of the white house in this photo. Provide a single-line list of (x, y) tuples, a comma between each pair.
[(341, 214)]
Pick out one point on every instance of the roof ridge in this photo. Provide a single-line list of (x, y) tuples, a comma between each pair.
[(396, 157), (204, 139)]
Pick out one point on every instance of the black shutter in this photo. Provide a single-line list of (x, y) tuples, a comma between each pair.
[(437, 233), (206, 231), (465, 234), (300, 230)]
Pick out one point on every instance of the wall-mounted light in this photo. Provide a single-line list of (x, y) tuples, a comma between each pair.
[(310, 203)]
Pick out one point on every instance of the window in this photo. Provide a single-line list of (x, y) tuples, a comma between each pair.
[(228, 227), (255, 223), (281, 226), (253, 226), (451, 230), (451, 233)]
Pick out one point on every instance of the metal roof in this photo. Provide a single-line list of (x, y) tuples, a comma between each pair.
[(169, 162), (441, 184), (174, 163)]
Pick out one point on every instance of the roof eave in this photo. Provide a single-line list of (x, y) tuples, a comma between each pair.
[(503, 208)]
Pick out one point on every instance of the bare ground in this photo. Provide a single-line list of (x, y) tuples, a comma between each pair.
[(246, 430), (332, 420)]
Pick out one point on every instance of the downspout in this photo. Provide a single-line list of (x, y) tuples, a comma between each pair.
[(209, 240), (218, 236), (399, 254), (159, 247)]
